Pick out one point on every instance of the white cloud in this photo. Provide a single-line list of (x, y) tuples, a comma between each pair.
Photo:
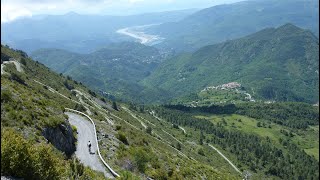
[(10, 12), (13, 9), (135, 1)]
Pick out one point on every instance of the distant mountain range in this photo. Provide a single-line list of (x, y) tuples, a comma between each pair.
[(229, 21), (76, 32), (279, 64), (183, 30)]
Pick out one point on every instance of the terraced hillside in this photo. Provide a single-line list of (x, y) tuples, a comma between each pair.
[(140, 142), (134, 144)]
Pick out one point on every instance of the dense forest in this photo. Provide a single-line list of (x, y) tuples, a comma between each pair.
[(288, 162), (290, 114)]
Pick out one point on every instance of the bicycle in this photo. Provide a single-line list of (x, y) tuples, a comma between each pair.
[(89, 145)]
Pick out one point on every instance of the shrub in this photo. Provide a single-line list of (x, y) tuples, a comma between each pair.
[(67, 85), (14, 150), (80, 107), (77, 168), (103, 100), (149, 130), (4, 57), (201, 152), (45, 164), (69, 78), (141, 158), (17, 78), (179, 146), (23, 61), (20, 158), (6, 96), (73, 93), (22, 53), (175, 126), (114, 106), (53, 121), (259, 124), (92, 93), (125, 175), (118, 127), (122, 138)]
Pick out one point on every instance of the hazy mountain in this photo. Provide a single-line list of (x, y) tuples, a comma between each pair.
[(225, 22), (76, 32), (117, 68), (279, 64)]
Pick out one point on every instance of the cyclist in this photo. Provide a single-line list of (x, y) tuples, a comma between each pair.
[(89, 145)]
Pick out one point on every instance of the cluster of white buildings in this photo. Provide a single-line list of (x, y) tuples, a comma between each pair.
[(231, 85)]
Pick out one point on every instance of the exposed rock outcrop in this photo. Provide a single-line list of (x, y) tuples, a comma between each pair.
[(61, 137)]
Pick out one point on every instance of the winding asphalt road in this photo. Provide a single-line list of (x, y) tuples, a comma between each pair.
[(85, 134), (15, 62)]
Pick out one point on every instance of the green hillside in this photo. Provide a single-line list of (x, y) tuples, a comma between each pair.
[(262, 146), (29, 115), (278, 64), (229, 92), (116, 69), (33, 101), (158, 142)]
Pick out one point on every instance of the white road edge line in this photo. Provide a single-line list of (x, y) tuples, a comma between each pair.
[(111, 170), (95, 133)]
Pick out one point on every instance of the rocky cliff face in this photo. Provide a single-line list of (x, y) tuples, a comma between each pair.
[(61, 137)]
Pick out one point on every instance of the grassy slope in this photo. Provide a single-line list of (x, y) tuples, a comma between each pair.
[(26, 109), (306, 139), (143, 156)]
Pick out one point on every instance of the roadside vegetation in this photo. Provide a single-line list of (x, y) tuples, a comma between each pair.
[(159, 142)]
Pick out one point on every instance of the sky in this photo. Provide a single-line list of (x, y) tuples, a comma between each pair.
[(13, 9)]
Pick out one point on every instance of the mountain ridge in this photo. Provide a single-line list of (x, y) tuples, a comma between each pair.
[(230, 21), (250, 60), (76, 32)]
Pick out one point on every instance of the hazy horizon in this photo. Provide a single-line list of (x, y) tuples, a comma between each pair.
[(15, 9)]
